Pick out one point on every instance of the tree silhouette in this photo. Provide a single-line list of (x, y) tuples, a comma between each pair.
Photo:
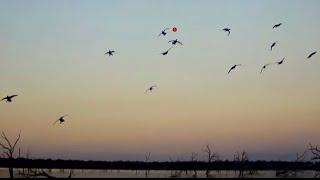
[(9, 148), (147, 159), (300, 157), (211, 156), (315, 157)]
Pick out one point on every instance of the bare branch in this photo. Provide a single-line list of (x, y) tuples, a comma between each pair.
[(17, 140), (210, 155), (3, 135), (194, 157), (9, 149), (300, 156), (147, 156), (315, 151)]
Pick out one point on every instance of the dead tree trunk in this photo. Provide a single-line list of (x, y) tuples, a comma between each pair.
[(147, 158), (211, 156), (9, 149)]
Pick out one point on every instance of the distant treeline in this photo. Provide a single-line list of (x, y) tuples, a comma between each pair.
[(181, 165)]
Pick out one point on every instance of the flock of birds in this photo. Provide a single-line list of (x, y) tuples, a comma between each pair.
[(174, 43), (228, 30)]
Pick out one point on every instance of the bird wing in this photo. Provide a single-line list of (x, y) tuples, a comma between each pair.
[(55, 122), (272, 45), (170, 48), (179, 42), (13, 96), (265, 66), (230, 70), (312, 54), (3, 98), (170, 41), (277, 25)]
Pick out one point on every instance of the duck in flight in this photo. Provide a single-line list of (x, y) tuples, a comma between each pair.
[(312, 54), (227, 30), (233, 67), (61, 119), (9, 98), (110, 52), (277, 25), (281, 62), (163, 32), (272, 45), (150, 89), (264, 67), (166, 52), (174, 42)]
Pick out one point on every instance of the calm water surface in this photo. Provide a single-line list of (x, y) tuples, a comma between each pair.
[(155, 174)]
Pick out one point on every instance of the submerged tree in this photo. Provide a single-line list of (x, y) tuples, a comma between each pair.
[(9, 148), (194, 159), (243, 159), (40, 173), (300, 157), (147, 159), (315, 152), (211, 157), (315, 157)]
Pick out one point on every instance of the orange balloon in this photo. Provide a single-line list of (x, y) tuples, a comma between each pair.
[(174, 29)]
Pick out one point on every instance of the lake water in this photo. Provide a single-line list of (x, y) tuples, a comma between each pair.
[(155, 174)]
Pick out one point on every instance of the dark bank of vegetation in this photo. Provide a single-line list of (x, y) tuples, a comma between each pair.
[(241, 164), (131, 165)]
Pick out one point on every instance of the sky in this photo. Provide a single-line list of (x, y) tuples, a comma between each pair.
[(52, 55)]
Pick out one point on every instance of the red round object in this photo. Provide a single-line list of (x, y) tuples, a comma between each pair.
[(174, 29)]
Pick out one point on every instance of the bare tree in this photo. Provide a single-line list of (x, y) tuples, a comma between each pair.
[(211, 156), (147, 159), (9, 148), (34, 173), (194, 159), (315, 152), (40, 173), (315, 157), (243, 158), (300, 157), (175, 173)]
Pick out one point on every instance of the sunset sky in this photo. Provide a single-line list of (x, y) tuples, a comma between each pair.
[(52, 55)]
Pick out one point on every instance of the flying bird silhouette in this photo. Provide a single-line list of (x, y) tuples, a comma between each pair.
[(61, 119), (166, 52), (312, 54), (174, 42), (110, 52), (281, 62), (277, 25), (264, 67), (163, 32), (150, 89), (233, 67), (227, 30), (272, 45), (9, 98)]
